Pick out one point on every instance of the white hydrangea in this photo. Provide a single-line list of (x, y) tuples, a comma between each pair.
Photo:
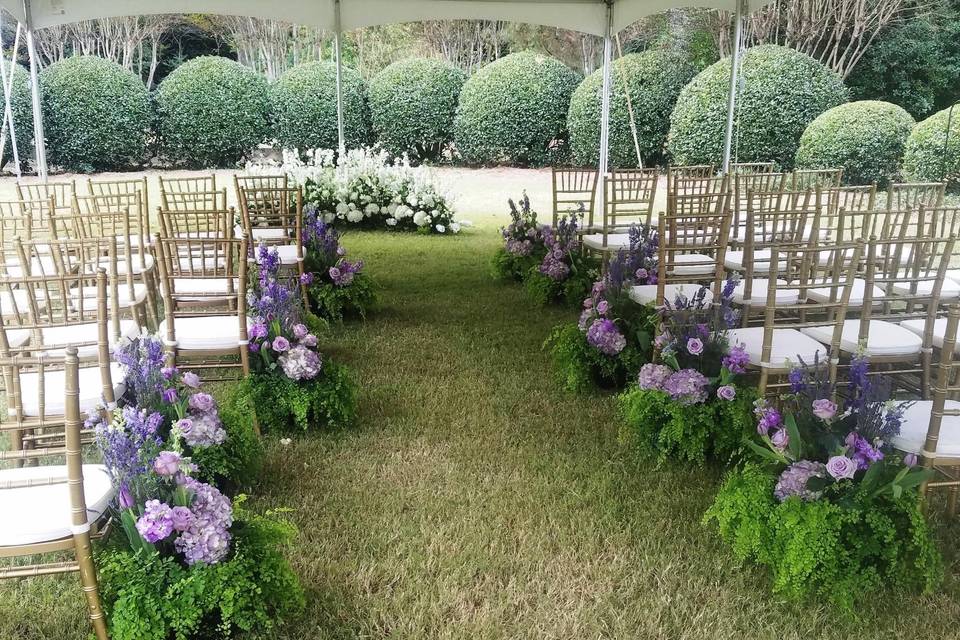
[(355, 215), (420, 218), (372, 209), (391, 222), (455, 227), (412, 200), (440, 228), (342, 208), (392, 208)]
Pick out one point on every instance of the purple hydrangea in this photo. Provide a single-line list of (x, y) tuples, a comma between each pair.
[(653, 376), (300, 363), (207, 538), (203, 430), (606, 337), (687, 386), (156, 523), (793, 481)]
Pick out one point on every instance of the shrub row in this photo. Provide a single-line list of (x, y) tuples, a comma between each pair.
[(519, 109)]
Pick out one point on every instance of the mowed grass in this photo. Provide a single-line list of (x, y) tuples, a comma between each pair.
[(474, 499)]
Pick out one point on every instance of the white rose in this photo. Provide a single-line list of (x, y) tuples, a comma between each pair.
[(420, 218), (455, 227), (440, 228), (355, 216), (391, 222)]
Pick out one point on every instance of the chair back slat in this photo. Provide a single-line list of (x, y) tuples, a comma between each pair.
[(574, 190), (630, 197), (811, 178)]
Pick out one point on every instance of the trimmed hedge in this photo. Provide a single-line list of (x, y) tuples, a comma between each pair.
[(212, 111), (654, 79), (782, 92), (305, 107), (96, 114), (866, 138), (514, 110), (926, 158), (22, 106), (412, 106)]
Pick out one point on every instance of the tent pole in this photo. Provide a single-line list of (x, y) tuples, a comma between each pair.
[(38, 137), (734, 75), (605, 107), (7, 97), (341, 142)]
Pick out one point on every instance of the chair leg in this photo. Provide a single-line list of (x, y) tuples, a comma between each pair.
[(88, 578), (952, 501), (152, 307)]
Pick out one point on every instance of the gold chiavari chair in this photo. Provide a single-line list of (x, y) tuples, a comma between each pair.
[(930, 429), (780, 226), (904, 196), (134, 192), (197, 224), (762, 191), (114, 216), (258, 182), (54, 507), (196, 201), (575, 190), (812, 178), (62, 192), (184, 186), (746, 168), (630, 194), (274, 218), (70, 293), (780, 344), (690, 250), (196, 276), (25, 220), (896, 331), (90, 326)]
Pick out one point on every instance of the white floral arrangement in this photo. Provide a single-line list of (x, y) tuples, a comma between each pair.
[(368, 189)]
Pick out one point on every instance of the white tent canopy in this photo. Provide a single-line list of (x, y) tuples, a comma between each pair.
[(598, 17), (588, 16)]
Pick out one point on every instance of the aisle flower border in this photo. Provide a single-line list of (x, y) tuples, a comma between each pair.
[(826, 504)]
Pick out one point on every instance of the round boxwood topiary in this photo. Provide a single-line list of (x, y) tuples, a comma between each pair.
[(305, 107), (654, 79), (211, 111), (412, 105), (96, 114), (866, 138), (782, 91), (21, 104), (513, 109), (929, 155)]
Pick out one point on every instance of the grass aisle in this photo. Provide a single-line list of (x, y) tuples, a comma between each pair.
[(474, 500)]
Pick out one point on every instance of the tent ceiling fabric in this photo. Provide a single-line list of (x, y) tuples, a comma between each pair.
[(588, 16)]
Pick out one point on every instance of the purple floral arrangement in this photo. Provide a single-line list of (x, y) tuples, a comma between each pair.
[(561, 244), (326, 257), (827, 443), (278, 340), (523, 236)]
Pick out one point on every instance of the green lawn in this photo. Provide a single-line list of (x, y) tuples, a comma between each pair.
[(475, 500)]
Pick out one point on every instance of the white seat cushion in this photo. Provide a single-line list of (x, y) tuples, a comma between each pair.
[(19, 302), (201, 285), (139, 264), (647, 293), (856, 293), (883, 338), (124, 299), (949, 291), (761, 261), (267, 233), (44, 265), (42, 513), (91, 389), (82, 333), (17, 337), (916, 421), (615, 241), (939, 330), (220, 333), (789, 345), (758, 293), (693, 264)]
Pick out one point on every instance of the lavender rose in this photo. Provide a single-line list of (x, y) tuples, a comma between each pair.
[(825, 409), (841, 467), (191, 379), (727, 392), (181, 518), (910, 459), (167, 463), (280, 344), (202, 402), (695, 346), (780, 439)]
